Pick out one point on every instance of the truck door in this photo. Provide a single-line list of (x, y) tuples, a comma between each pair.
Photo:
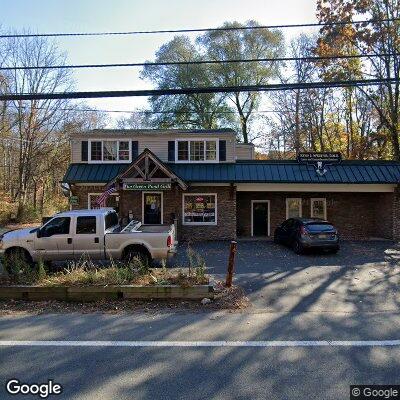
[(88, 238), (54, 241)]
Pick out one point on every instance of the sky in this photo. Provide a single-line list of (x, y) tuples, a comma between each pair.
[(49, 16)]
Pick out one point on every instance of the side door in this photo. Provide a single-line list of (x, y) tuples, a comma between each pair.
[(54, 241), (88, 237)]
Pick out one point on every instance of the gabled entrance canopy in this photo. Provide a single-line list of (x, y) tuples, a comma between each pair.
[(145, 171)]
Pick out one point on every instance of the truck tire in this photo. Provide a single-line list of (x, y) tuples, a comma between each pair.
[(137, 252), (16, 253)]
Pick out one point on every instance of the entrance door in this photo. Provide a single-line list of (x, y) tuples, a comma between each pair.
[(260, 217), (152, 208)]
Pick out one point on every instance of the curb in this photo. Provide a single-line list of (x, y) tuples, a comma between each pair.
[(94, 293)]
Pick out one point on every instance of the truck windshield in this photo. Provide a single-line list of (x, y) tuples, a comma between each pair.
[(111, 219)]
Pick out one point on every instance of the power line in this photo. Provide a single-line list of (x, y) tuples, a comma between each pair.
[(149, 112), (196, 90), (188, 30), (231, 61)]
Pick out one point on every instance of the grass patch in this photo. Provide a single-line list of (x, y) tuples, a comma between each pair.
[(86, 273)]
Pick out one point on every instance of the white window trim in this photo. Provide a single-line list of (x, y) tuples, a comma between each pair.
[(162, 206), (97, 194), (118, 161), (318, 199), (197, 140), (269, 215), (287, 206), (200, 223)]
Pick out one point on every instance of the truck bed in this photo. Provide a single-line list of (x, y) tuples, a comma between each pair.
[(154, 228)]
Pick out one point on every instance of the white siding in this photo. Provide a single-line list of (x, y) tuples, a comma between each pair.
[(157, 143)]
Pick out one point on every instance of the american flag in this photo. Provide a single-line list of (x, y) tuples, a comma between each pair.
[(101, 200)]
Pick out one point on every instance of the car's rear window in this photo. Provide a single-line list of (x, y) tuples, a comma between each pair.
[(319, 227)]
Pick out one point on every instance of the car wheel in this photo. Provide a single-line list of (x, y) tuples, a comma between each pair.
[(297, 247), (139, 254), (15, 256)]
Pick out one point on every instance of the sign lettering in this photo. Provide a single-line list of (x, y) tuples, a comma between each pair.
[(147, 186), (327, 157)]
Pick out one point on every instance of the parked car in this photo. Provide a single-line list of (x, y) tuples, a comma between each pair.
[(307, 233), (96, 233)]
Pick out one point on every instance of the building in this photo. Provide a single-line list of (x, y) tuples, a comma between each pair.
[(213, 188)]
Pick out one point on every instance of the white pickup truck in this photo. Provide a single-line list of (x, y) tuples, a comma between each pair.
[(95, 233)]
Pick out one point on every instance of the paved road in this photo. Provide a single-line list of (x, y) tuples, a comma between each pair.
[(320, 299), (123, 372)]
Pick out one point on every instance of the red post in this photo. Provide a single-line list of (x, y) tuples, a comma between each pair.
[(231, 264)]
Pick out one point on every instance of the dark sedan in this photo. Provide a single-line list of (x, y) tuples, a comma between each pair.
[(307, 233)]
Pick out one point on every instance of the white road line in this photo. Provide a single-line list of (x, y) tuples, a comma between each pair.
[(228, 343)]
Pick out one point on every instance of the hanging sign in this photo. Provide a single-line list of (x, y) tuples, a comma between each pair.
[(320, 160), (314, 157), (147, 186)]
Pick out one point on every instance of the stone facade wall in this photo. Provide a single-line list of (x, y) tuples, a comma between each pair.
[(396, 214), (226, 217), (82, 193), (356, 215), (131, 201)]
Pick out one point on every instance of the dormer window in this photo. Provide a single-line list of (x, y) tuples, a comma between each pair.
[(109, 150), (197, 151)]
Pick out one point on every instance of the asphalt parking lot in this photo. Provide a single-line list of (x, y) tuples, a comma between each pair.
[(363, 276)]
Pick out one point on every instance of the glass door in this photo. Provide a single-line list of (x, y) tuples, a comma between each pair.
[(152, 208)]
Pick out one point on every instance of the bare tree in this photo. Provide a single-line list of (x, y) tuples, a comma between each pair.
[(37, 131)]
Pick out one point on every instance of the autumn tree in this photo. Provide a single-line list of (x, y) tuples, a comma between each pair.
[(379, 40)]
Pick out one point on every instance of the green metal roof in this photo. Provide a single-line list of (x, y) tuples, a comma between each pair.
[(378, 172)]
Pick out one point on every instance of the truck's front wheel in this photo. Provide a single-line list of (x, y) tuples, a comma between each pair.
[(15, 258)]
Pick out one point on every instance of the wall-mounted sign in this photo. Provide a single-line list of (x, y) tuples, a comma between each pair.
[(313, 157), (74, 200), (320, 160), (147, 186)]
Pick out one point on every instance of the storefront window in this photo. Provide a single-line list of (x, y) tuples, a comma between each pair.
[(200, 209), (112, 201), (318, 208), (293, 208)]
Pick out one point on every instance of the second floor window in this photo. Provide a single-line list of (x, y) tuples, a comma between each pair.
[(183, 151), (110, 150), (196, 150), (95, 151)]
